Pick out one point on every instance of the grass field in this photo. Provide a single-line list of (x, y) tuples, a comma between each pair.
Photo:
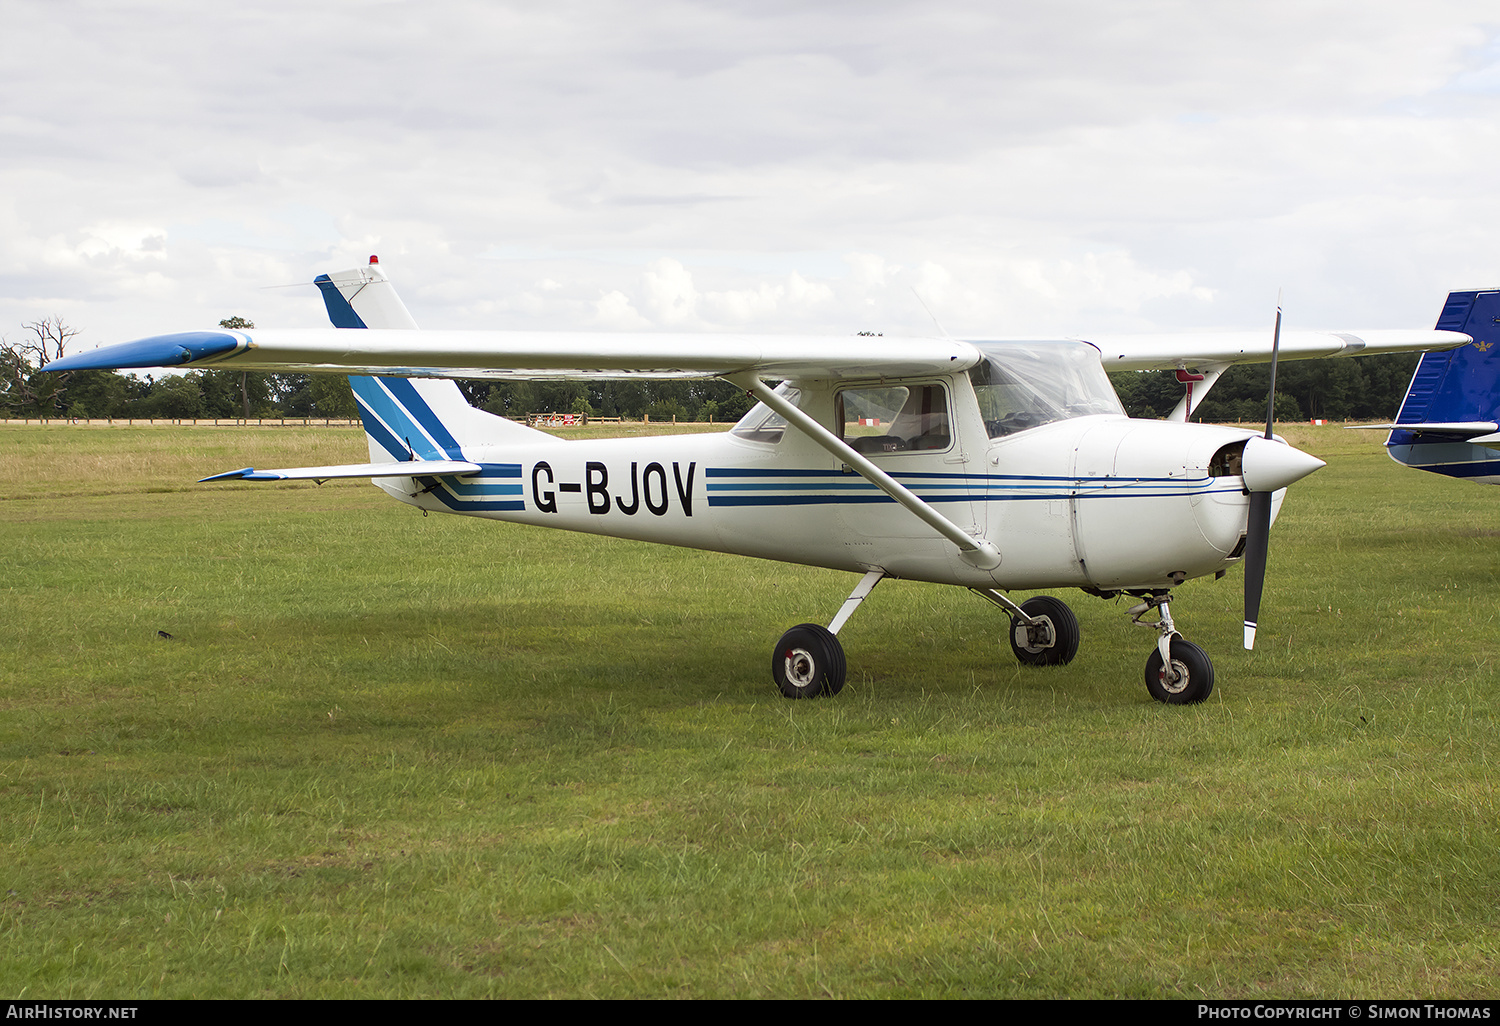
[(383, 755)]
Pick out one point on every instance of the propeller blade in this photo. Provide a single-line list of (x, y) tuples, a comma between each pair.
[(1257, 540), (1258, 529), (1275, 353)]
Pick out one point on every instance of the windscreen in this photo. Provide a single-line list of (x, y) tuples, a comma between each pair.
[(1024, 385)]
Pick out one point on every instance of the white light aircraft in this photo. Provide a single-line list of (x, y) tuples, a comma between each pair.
[(991, 465)]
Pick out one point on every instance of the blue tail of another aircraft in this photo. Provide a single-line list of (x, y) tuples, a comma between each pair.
[(1450, 419)]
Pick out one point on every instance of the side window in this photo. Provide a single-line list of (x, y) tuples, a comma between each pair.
[(763, 424), (895, 419)]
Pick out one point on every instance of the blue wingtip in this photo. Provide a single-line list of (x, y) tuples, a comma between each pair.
[(157, 351), (229, 475)]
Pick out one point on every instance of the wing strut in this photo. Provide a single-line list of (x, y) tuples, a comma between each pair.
[(977, 552), (1211, 373)]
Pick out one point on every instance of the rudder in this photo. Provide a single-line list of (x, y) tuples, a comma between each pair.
[(1457, 387), (408, 418)]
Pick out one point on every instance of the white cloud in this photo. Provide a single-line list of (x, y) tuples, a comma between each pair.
[(615, 312), (1032, 168), (668, 296)]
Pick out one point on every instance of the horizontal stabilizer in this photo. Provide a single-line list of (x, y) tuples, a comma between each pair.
[(409, 468), (1457, 427)]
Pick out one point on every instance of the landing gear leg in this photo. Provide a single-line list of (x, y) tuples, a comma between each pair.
[(1043, 630), (808, 660), (1178, 671)]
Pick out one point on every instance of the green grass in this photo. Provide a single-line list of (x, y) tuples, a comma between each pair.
[(384, 755)]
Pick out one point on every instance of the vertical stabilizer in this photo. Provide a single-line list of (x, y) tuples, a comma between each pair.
[(363, 298), (1453, 401), (408, 418)]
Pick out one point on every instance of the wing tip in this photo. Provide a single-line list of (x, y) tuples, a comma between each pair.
[(228, 475)]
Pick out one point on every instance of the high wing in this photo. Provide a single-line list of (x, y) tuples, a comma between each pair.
[(544, 355), (539, 355), (1223, 349)]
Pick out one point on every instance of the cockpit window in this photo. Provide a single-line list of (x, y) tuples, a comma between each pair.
[(763, 424), (1024, 385), (895, 418)]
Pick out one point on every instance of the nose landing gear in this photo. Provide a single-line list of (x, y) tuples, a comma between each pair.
[(1178, 671)]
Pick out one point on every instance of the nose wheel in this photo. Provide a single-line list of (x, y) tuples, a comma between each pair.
[(1178, 672), (1186, 679)]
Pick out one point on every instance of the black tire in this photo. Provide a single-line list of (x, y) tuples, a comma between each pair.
[(1195, 675), (808, 661), (1060, 643)]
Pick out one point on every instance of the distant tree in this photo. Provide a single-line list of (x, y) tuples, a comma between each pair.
[(176, 397), (224, 392), (1370, 387), (332, 396), (291, 394), (1147, 394), (102, 393), (233, 323), (514, 399), (24, 389)]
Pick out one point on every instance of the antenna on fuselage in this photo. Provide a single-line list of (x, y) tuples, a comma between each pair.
[(941, 330)]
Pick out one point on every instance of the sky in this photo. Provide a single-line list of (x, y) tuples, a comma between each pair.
[(980, 169)]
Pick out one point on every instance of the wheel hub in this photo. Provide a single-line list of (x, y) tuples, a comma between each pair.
[(1037, 637), (1174, 677), (801, 669)]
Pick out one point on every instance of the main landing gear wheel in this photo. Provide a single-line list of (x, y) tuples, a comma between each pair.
[(808, 661), (1052, 642), (1190, 678)]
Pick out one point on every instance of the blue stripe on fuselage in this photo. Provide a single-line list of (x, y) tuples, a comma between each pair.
[(825, 487)]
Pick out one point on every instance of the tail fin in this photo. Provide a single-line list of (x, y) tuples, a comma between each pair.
[(409, 418), (363, 298), (1451, 414)]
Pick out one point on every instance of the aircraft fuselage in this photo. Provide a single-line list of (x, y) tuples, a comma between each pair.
[(1098, 501)]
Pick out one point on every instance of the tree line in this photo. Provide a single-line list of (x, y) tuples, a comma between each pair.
[(1366, 388), (26, 391)]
